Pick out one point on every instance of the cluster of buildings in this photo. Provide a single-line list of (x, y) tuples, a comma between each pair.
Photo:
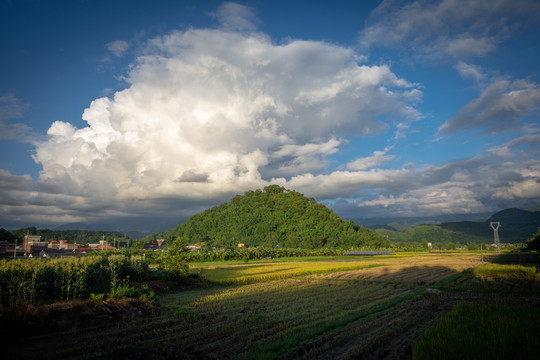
[(35, 246)]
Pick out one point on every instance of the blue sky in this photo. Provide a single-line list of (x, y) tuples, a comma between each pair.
[(148, 112)]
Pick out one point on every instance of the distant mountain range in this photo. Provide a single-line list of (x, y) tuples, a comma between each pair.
[(516, 226)]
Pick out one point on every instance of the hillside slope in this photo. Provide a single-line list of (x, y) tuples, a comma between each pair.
[(431, 233), (275, 216), (516, 226)]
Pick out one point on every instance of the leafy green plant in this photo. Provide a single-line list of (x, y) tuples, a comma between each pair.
[(124, 291)]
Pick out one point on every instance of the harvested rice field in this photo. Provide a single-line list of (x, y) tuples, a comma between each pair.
[(334, 308), (422, 268)]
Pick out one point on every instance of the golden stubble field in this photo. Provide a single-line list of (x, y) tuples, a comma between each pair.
[(427, 268), (311, 308)]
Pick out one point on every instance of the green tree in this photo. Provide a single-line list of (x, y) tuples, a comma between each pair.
[(7, 236), (137, 245), (534, 241), (175, 258)]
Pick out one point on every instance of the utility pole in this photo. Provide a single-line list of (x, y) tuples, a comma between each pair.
[(481, 253), (495, 225)]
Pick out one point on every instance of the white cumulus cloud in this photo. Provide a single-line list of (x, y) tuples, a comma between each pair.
[(211, 112)]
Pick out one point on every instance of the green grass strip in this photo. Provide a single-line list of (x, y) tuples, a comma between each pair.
[(480, 331)]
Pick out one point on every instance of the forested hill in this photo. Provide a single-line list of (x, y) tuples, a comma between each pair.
[(516, 225), (275, 216)]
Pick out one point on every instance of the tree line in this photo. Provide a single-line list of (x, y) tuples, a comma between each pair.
[(72, 236)]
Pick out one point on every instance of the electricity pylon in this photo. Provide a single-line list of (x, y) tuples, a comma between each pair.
[(495, 225)]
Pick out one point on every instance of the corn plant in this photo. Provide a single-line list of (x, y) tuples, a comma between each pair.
[(40, 281)]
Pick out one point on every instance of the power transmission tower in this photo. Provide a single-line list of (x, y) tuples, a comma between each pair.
[(495, 225)]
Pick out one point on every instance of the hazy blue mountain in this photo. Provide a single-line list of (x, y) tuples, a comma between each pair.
[(516, 226)]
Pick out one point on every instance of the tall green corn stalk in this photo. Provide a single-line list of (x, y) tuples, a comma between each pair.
[(41, 281)]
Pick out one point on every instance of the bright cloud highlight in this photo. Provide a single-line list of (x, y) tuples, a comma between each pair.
[(216, 111)]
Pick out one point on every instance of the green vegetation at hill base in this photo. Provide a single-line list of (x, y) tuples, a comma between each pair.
[(276, 216)]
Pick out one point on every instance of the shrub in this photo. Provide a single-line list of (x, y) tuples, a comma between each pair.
[(124, 291)]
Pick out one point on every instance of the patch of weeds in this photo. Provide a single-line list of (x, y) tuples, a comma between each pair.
[(98, 297), (125, 291)]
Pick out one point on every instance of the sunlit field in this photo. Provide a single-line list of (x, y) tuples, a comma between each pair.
[(245, 273), (313, 308), (422, 268), (406, 267)]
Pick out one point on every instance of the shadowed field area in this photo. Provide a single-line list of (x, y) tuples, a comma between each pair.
[(373, 307)]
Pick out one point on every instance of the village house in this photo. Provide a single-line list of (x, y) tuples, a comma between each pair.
[(103, 245), (54, 244), (33, 245), (64, 245)]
